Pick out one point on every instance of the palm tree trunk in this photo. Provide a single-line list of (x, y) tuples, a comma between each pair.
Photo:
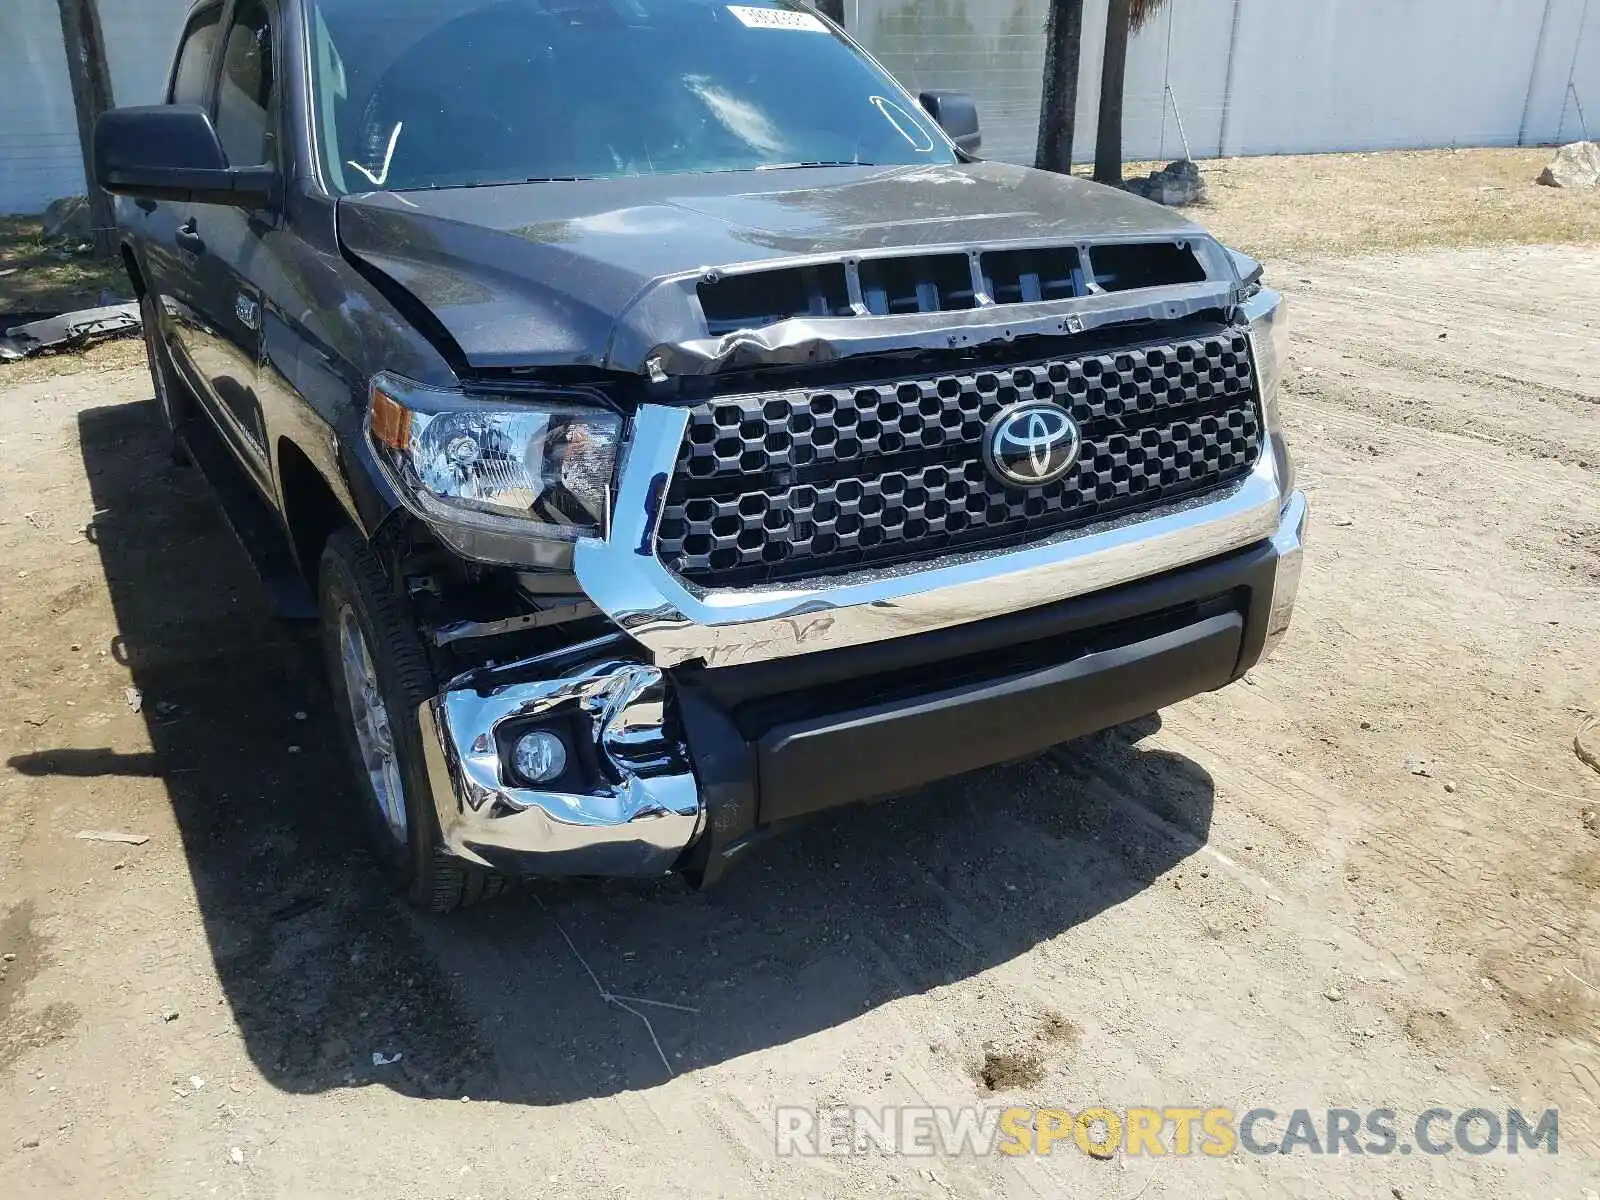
[(91, 96), (1108, 140), (1058, 106)]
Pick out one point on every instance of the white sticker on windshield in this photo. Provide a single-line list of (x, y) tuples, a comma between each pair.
[(777, 18)]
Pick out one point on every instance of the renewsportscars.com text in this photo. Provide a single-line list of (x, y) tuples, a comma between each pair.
[(1180, 1131)]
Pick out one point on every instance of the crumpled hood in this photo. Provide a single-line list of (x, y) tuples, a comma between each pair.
[(601, 272)]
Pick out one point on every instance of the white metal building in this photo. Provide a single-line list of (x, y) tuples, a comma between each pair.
[(1247, 76), (1268, 76)]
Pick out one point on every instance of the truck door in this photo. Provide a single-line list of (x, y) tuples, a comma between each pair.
[(169, 254), (226, 338)]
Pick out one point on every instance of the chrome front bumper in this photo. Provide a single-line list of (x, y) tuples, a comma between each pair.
[(641, 808), (1289, 542)]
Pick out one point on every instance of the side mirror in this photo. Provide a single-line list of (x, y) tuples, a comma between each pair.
[(172, 152), (957, 115)]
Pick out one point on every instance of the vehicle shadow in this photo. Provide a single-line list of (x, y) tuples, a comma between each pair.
[(324, 971)]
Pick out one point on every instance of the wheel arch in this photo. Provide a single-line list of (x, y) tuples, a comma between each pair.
[(313, 509)]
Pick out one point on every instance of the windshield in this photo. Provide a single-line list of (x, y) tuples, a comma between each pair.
[(449, 93)]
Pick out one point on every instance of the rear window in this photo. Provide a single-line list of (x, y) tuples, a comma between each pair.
[(442, 93)]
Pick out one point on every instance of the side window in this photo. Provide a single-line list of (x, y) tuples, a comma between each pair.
[(198, 52), (246, 93)]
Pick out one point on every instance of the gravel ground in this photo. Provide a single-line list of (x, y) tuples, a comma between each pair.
[(1366, 877)]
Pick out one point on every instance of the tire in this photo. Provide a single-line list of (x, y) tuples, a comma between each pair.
[(172, 394), (354, 597)]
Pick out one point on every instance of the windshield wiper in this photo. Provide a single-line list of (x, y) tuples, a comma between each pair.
[(818, 163)]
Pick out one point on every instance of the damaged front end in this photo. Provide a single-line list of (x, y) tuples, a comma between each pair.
[(618, 796), (761, 495)]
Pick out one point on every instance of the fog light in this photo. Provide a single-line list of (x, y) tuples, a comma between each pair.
[(539, 756)]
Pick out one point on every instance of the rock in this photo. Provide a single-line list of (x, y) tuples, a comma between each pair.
[(1334, 994), (170, 1015), (1449, 786), (236, 1156), (67, 220), (1576, 165), (1176, 184)]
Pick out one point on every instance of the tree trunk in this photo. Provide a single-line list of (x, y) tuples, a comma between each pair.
[(1058, 107), (91, 96), (1108, 140), (832, 9)]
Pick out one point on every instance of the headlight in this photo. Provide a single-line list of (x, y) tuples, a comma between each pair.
[(491, 474)]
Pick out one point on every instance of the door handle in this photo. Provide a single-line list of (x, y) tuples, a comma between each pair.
[(189, 238)]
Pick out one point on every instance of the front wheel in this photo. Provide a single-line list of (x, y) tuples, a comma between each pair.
[(379, 677)]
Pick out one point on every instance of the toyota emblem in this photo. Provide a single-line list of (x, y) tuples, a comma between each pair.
[(1032, 444)]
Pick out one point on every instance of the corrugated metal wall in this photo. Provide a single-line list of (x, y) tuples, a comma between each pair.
[(1307, 75), (39, 155), (38, 133)]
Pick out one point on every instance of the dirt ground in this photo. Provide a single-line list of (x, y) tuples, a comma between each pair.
[(1367, 877), (36, 277)]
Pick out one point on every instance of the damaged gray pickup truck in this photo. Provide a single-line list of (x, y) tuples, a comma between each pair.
[(676, 428)]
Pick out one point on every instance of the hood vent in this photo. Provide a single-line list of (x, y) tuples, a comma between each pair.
[(932, 283), (767, 297), (1028, 276), (1123, 266)]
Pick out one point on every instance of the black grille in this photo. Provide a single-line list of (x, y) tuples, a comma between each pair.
[(816, 481)]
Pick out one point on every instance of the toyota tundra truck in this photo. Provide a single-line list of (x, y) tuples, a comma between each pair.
[(677, 428)]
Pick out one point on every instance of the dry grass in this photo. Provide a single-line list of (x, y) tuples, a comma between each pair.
[(1292, 206), (39, 278), (118, 355)]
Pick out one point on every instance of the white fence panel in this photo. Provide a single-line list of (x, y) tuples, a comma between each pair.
[(1353, 75), (1570, 53), (1267, 76)]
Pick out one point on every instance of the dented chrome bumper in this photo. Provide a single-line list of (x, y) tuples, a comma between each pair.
[(627, 803), (631, 803)]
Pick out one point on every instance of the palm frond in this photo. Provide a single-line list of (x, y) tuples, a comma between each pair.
[(1140, 11)]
